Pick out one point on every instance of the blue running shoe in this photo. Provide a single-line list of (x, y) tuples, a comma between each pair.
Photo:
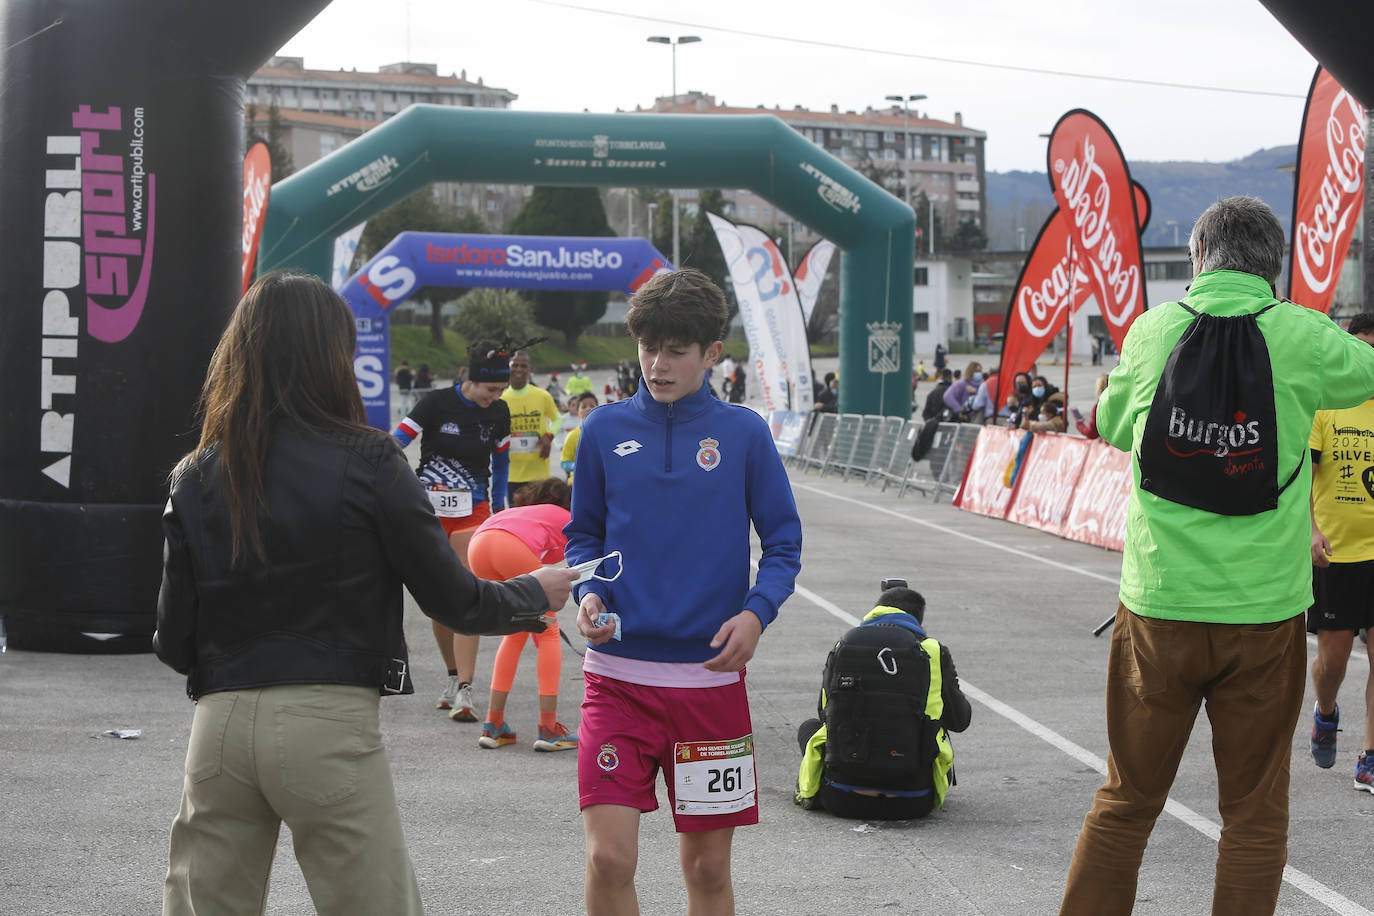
[(494, 736), (1364, 773), (1324, 737), (557, 738)]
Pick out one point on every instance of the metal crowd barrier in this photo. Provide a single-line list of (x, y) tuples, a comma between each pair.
[(816, 441), (949, 455), (842, 442), (897, 466), (890, 431), (879, 449)]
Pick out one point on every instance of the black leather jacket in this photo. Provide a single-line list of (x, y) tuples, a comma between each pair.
[(348, 523)]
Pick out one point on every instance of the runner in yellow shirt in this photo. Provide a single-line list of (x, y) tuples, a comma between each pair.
[(534, 419), (578, 384), (583, 404), (1342, 445)]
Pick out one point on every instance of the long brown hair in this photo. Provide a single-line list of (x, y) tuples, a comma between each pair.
[(287, 353)]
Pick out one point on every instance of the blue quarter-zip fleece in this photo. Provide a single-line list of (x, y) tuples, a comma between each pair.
[(675, 487)]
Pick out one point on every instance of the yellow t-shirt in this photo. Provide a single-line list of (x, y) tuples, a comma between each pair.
[(578, 384), (532, 414), (570, 448), (1343, 481)]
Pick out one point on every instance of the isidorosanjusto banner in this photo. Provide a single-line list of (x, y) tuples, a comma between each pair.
[(1093, 188), (418, 259), (1040, 305), (810, 274), (771, 314), (414, 260), (1328, 196)]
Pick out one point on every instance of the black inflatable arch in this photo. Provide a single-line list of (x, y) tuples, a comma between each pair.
[(121, 141)]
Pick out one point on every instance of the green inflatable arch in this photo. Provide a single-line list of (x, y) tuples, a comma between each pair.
[(428, 143)]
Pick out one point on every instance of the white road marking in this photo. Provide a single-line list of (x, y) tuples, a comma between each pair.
[(1355, 654), (1304, 882), (981, 542)]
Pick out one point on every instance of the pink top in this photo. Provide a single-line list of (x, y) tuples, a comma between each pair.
[(539, 527), (656, 674)]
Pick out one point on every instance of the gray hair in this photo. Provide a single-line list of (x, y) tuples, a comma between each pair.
[(1238, 233)]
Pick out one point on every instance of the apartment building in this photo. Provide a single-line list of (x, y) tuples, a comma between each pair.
[(943, 159), (321, 110), (1167, 274)]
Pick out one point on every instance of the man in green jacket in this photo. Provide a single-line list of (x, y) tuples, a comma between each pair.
[(1211, 606)]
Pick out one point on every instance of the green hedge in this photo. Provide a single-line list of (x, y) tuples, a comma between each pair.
[(411, 342)]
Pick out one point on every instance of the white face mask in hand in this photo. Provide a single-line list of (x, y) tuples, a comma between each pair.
[(588, 569)]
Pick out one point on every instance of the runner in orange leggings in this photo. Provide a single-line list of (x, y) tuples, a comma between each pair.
[(512, 543)]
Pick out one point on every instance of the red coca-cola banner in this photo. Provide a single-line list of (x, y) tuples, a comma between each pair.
[(1097, 514), (982, 489), (1048, 481), (257, 181), (1328, 196), (1093, 188), (1040, 304), (1075, 488)]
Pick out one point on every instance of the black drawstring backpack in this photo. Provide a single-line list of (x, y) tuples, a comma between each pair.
[(1211, 438)]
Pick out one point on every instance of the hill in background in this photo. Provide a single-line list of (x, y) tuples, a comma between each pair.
[(1178, 191)]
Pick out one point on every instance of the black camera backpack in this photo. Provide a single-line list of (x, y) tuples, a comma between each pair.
[(878, 736)]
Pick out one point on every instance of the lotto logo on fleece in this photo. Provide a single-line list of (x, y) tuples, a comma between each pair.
[(708, 455), (628, 447)]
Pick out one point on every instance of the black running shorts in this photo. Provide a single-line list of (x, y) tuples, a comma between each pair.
[(1342, 596)]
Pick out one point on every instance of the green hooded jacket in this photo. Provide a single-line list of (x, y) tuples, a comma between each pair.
[(1182, 563)]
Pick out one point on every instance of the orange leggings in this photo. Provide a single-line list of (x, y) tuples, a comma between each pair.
[(500, 555)]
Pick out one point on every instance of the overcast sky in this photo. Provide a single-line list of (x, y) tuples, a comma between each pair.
[(592, 54)]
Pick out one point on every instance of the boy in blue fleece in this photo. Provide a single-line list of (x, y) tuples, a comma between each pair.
[(672, 479)]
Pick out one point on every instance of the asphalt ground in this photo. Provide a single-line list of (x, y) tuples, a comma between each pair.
[(84, 820)]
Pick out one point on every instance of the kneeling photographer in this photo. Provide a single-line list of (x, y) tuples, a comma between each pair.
[(880, 749)]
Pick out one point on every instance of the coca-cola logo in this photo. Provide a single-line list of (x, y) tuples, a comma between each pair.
[(1040, 306), (255, 187), (1327, 213), (257, 181), (1105, 234)]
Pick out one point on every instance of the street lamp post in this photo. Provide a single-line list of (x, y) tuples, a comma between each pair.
[(906, 101), (681, 40), (1069, 315)]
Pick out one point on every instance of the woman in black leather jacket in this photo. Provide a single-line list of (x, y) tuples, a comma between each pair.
[(290, 530)]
